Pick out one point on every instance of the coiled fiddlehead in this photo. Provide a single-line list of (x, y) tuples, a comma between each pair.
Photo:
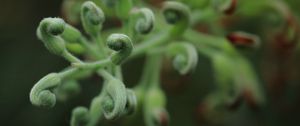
[(92, 18), (177, 14), (48, 31), (104, 103), (184, 55), (114, 99), (122, 44), (144, 20), (40, 94)]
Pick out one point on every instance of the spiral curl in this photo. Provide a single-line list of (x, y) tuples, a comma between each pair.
[(48, 31), (114, 99), (92, 18), (122, 44), (145, 20), (177, 14), (185, 57), (40, 94)]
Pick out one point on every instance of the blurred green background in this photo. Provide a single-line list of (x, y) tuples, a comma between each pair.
[(24, 60)]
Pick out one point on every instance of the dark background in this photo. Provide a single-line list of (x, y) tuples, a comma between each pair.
[(24, 60)]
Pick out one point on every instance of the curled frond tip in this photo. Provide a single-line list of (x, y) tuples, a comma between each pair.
[(145, 21), (40, 94), (48, 32), (184, 55), (123, 46)]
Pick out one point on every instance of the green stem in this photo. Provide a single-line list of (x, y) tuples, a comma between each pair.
[(151, 72), (155, 60), (212, 41), (205, 15), (71, 58), (94, 65), (118, 72), (68, 72), (146, 73), (101, 47), (105, 74), (90, 48), (127, 29), (208, 41), (155, 40)]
